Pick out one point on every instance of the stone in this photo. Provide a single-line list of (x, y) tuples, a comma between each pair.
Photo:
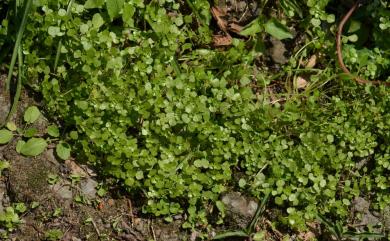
[(240, 209), (62, 190), (88, 188), (359, 204), (277, 51)]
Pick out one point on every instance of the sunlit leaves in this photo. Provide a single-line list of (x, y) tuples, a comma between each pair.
[(277, 30), (114, 7), (32, 147), (31, 114), (5, 136), (144, 93), (63, 150), (94, 3)]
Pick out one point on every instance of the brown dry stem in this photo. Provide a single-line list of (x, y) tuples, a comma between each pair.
[(340, 53)]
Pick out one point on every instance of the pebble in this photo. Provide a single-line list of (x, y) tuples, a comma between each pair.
[(63, 191), (88, 188)]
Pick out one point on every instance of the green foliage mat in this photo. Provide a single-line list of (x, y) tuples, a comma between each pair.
[(148, 100)]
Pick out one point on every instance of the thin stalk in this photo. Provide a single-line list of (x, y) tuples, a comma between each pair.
[(193, 8), (259, 211), (18, 87), (58, 53), (17, 44)]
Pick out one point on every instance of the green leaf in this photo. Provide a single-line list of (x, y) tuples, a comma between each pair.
[(259, 236), (354, 26), (93, 4), (74, 135), (252, 28), (242, 183), (97, 20), (128, 12), (53, 131), (34, 204), (54, 31), (114, 7), (101, 192), (363, 235), (11, 126), (31, 114), (139, 175), (20, 207), (33, 147), (201, 163), (353, 38), (5, 136), (19, 145), (259, 211), (63, 150), (30, 132), (277, 30), (3, 165)]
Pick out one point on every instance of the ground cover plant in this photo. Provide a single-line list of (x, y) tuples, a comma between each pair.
[(178, 108)]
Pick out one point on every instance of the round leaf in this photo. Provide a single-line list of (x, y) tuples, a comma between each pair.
[(30, 132), (33, 147), (63, 150), (19, 145), (31, 114), (11, 126), (97, 20), (53, 131), (5, 136), (114, 7), (93, 4)]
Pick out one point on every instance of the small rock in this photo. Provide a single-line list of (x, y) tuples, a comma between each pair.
[(300, 83), (88, 188), (277, 51), (49, 155), (75, 168), (359, 204), (369, 219), (311, 62), (240, 210), (362, 206), (63, 191)]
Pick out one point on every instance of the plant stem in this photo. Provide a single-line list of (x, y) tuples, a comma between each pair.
[(18, 87), (17, 43), (58, 53)]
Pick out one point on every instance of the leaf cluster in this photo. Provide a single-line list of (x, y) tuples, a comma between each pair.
[(151, 103)]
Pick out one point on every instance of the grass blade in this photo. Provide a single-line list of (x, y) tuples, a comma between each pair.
[(259, 211), (17, 43), (18, 87), (231, 234), (363, 235), (329, 226)]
